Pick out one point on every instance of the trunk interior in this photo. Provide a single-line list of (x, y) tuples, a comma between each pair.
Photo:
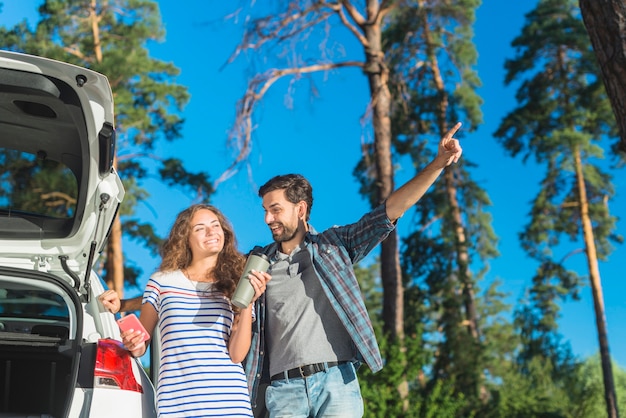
[(36, 380), (38, 356)]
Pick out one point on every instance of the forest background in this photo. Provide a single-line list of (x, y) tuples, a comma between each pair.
[(317, 128)]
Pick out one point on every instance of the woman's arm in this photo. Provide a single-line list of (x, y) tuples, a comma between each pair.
[(241, 335), (111, 301), (241, 330)]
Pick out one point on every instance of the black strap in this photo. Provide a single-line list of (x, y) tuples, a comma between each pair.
[(306, 371)]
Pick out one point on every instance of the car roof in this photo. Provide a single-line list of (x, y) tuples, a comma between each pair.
[(57, 147)]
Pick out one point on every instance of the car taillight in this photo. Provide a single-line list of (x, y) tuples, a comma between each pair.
[(114, 368)]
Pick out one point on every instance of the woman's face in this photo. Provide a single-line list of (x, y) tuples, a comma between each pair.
[(206, 237)]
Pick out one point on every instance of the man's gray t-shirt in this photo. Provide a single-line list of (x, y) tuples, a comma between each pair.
[(302, 327)]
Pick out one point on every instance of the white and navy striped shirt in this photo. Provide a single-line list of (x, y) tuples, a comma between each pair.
[(197, 377)]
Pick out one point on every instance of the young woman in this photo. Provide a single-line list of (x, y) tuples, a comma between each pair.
[(204, 338)]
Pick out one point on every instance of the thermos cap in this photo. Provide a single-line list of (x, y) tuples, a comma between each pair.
[(262, 255), (258, 251)]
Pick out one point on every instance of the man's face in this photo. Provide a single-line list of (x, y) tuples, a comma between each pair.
[(281, 215)]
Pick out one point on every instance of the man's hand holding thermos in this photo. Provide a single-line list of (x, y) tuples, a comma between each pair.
[(244, 293)]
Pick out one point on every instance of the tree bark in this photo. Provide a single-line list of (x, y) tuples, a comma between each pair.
[(596, 288), (462, 256), (115, 259), (605, 21), (391, 275), (393, 312)]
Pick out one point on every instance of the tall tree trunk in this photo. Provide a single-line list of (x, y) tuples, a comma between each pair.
[(115, 259), (461, 244), (465, 278), (378, 77), (605, 21), (95, 29), (596, 288), (462, 256), (114, 256)]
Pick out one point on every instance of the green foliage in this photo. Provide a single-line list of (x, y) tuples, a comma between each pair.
[(571, 389), (380, 390), (404, 361), (590, 377), (173, 173), (31, 184), (440, 401), (431, 55), (534, 394)]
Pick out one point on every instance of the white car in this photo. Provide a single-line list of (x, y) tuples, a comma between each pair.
[(60, 351)]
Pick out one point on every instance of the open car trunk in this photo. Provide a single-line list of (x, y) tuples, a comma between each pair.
[(40, 350), (60, 352)]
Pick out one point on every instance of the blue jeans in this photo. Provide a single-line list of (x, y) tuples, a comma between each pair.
[(334, 392)]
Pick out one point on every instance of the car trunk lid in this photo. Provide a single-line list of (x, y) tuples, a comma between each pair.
[(59, 191)]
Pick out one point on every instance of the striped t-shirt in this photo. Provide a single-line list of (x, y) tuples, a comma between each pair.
[(197, 377)]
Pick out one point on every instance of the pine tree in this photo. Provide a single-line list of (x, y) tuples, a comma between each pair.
[(431, 57), (562, 120)]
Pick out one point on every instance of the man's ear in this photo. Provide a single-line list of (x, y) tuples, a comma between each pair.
[(302, 209)]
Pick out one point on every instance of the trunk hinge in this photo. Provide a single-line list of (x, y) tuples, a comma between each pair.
[(42, 263), (69, 271)]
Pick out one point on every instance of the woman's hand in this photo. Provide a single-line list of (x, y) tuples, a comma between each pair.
[(111, 301), (133, 341)]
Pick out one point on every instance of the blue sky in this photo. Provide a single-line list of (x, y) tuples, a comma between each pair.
[(320, 137)]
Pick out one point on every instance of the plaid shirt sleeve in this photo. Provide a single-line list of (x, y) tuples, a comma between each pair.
[(253, 364)]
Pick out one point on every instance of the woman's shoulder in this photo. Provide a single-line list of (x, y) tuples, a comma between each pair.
[(161, 276)]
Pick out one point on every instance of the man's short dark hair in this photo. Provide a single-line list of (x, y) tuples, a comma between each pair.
[(296, 187)]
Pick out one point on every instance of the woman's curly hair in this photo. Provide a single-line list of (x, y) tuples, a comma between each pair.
[(176, 253)]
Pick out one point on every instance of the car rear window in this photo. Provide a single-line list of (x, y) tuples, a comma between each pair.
[(32, 303), (35, 185)]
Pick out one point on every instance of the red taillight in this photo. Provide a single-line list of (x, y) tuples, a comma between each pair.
[(114, 369)]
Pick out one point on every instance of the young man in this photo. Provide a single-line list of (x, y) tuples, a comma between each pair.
[(312, 328)]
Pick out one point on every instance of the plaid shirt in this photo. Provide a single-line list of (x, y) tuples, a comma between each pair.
[(333, 252)]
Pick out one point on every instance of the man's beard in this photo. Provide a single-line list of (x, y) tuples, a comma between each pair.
[(287, 234)]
